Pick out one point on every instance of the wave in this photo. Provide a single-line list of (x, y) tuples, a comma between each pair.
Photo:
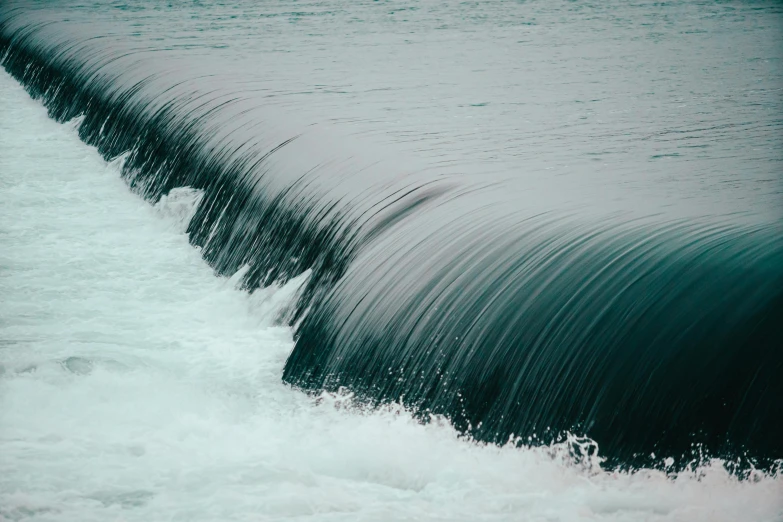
[(650, 333), (647, 336)]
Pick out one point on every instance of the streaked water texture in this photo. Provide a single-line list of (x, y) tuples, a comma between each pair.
[(137, 386), (531, 220)]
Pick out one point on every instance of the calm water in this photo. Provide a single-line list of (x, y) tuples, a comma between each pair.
[(653, 101)]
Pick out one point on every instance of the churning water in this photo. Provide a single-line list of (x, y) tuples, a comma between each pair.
[(484, 221)]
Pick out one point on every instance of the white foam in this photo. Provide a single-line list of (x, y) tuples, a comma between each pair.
[(179, 205), (136, 385)]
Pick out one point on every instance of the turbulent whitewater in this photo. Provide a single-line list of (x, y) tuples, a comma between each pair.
[(495, 248)]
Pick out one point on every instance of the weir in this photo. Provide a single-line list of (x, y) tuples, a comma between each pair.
[(648, 332)]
